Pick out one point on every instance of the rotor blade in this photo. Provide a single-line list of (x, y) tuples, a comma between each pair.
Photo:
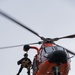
[(20, 45), (70, 52), (11, 46), (20, 24), (69, 36)]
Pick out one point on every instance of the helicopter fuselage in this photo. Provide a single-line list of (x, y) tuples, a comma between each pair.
[(51, 60)]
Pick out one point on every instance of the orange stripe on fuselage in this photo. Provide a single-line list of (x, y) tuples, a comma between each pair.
[(48, 44)]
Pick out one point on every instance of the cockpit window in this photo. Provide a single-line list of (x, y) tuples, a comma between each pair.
[(51, 49), (47, 50), (59, 48)]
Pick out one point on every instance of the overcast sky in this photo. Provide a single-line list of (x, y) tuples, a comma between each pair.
[(49, 18)]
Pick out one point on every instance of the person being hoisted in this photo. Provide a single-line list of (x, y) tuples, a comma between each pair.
[(25, 63)]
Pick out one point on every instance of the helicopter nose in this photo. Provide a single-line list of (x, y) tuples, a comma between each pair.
[(58, 57)]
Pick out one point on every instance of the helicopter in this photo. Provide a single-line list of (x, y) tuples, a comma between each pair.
[(51, 59)]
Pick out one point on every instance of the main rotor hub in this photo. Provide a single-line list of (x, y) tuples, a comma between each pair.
[(48, 40)]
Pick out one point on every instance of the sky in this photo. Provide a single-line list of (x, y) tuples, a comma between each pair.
[(49, 18)]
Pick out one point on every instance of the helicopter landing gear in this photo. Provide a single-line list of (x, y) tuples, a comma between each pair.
[(56, 70), (55, 73)]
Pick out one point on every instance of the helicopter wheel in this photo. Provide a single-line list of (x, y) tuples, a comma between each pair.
[(55, 73)]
